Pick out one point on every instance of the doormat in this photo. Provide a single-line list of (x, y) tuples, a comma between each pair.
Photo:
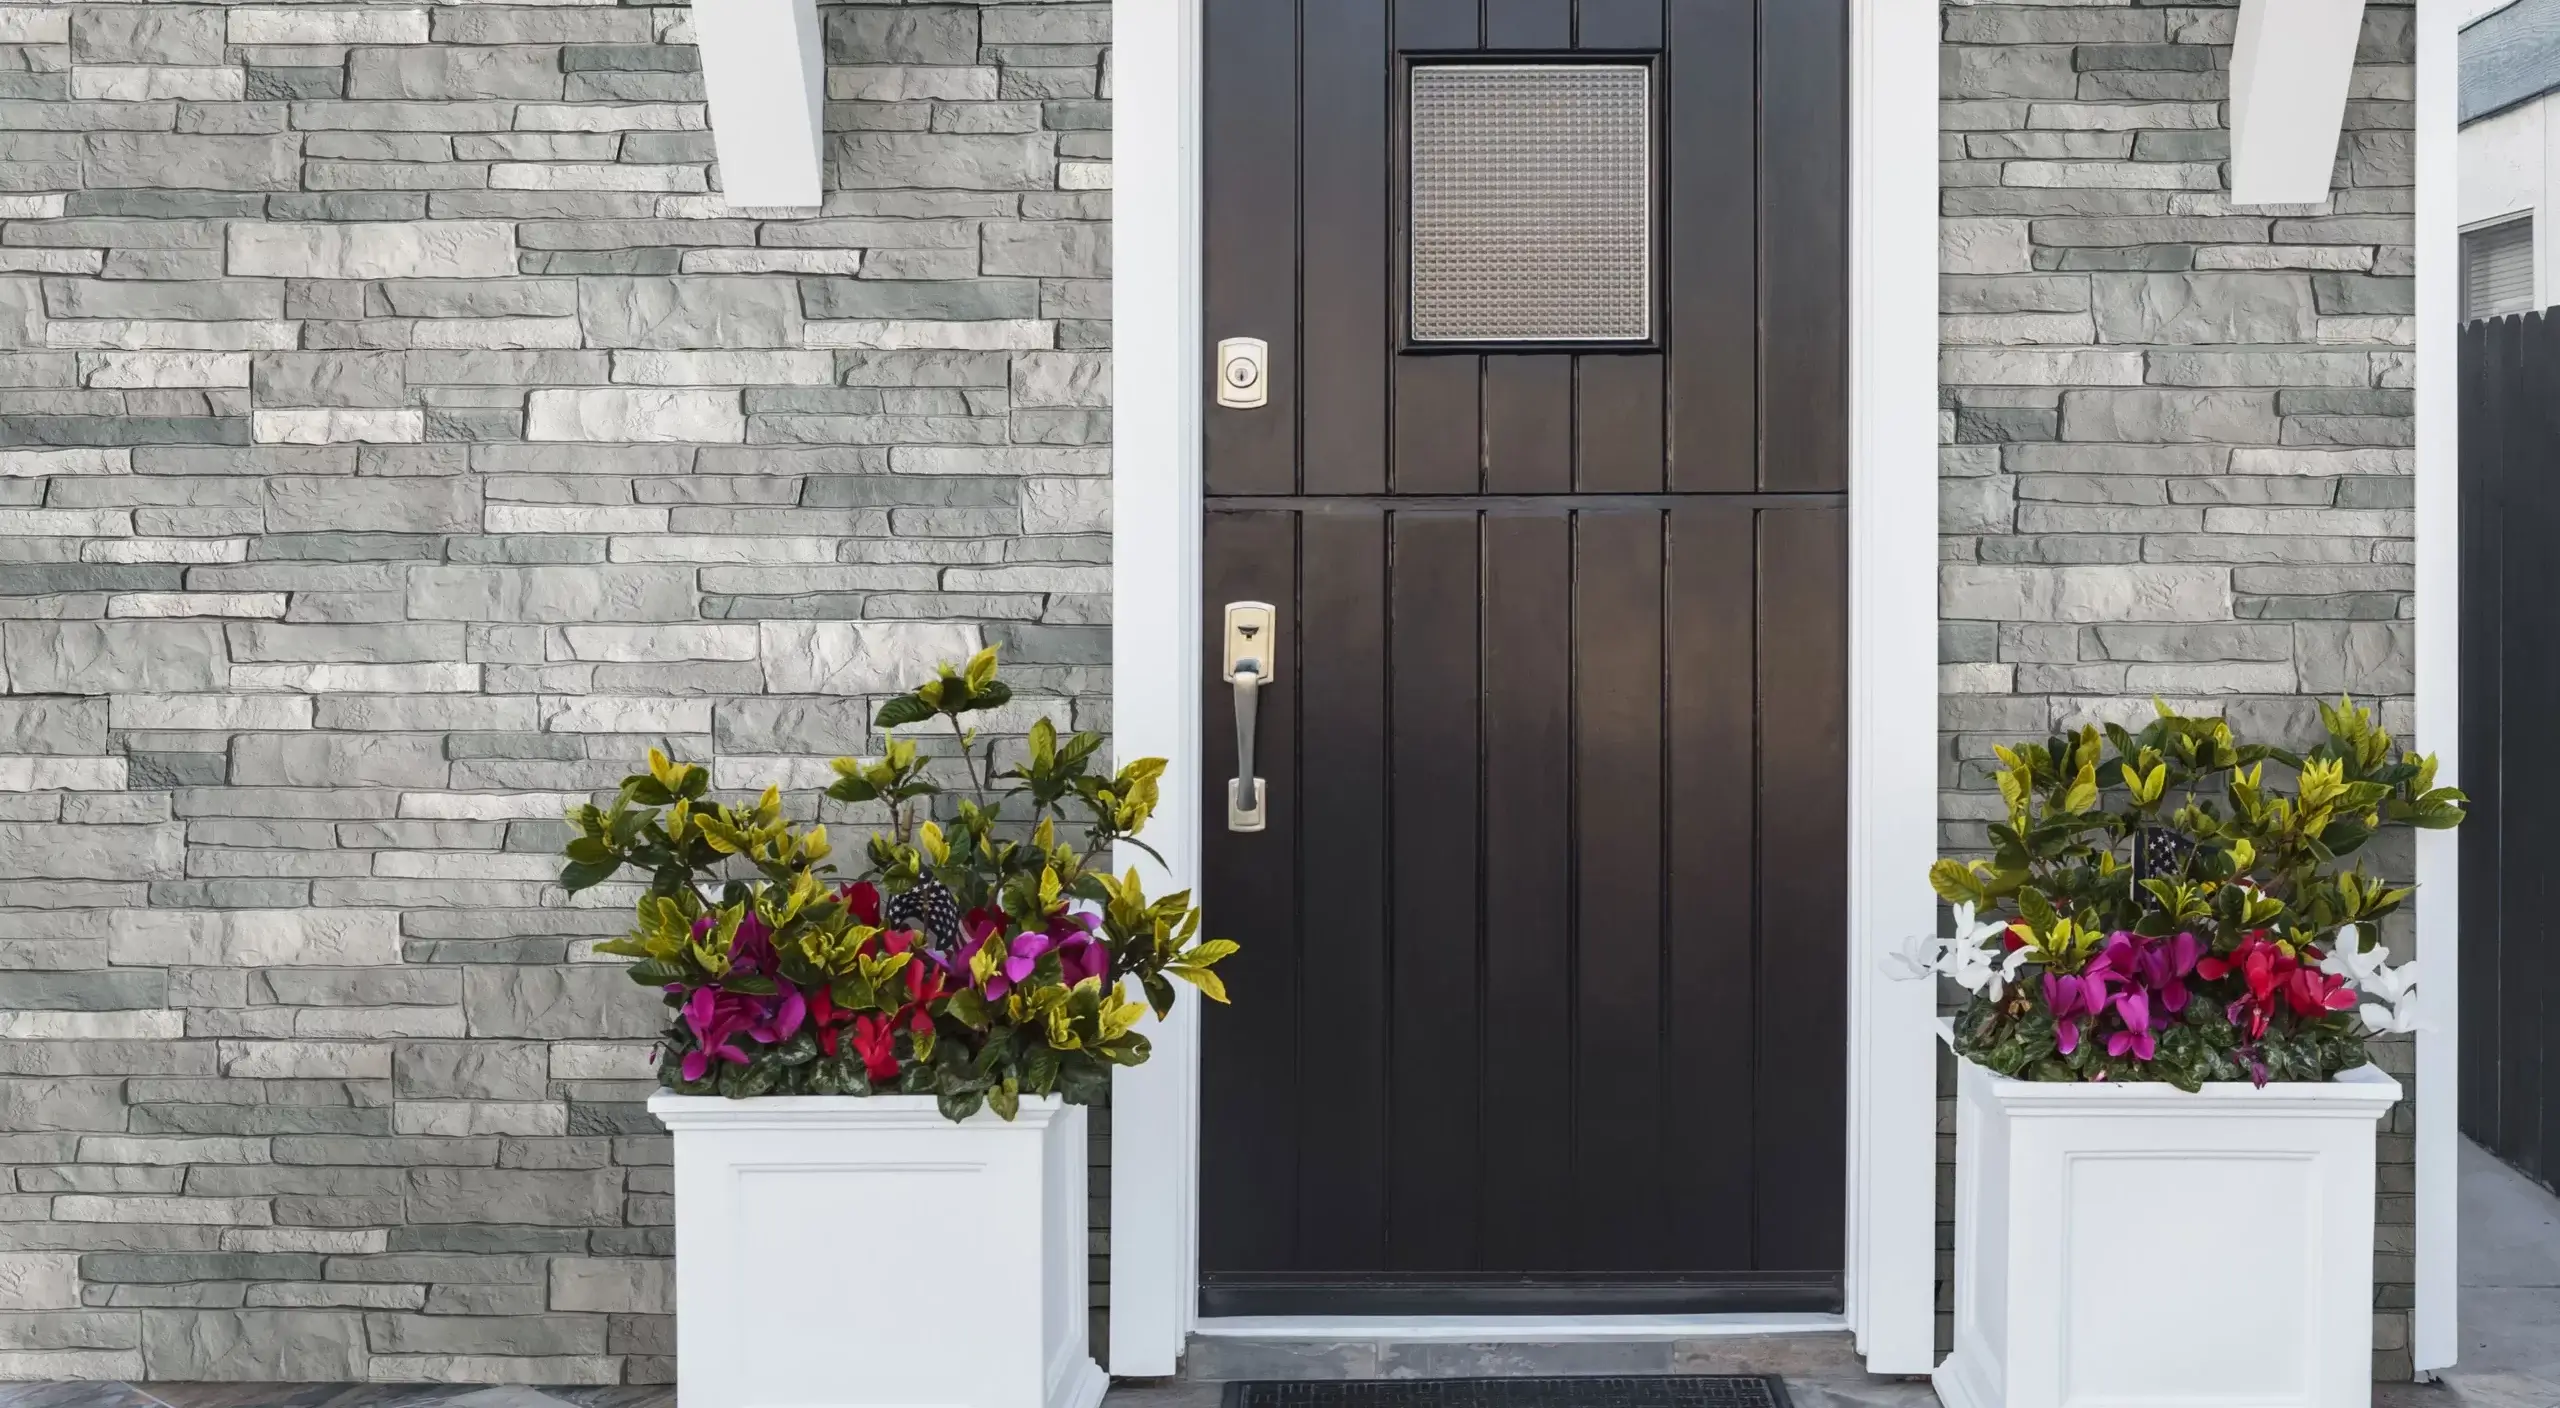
[(1634, 1391)]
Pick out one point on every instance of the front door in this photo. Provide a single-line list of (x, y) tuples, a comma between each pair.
[(1540, 464)]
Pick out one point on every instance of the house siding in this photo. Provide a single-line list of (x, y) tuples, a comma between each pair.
[(2176, 433), (397, 436)]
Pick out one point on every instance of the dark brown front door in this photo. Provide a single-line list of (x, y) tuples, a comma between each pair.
[(1540, 1005)]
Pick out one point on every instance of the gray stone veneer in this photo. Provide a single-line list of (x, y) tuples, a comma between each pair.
[(2177, 432), (397, 435)]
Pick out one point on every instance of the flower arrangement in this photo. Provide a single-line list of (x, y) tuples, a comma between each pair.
[(977, 964), (2156, 907)]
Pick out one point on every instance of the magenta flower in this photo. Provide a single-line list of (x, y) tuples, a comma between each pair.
[(715, 1017), (2073, 998), (2134, 1008)]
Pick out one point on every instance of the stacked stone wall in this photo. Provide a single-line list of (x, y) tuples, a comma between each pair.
[(2177, 432), (398, 434)]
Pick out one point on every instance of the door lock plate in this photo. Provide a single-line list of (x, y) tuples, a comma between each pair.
[(1244, 373), (1249, 641)]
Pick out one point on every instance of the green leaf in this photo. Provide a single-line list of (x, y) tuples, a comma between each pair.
[(905, 709)]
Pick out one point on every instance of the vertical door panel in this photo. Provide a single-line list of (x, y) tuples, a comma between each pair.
[(1619, 24), (1342, 840), (1804, 786), (1619, 423), (1434, 24), (1713, 239), (1528, 424), (1528, 827), (1249, 1151), (1438, 440), (1249, 222), (1617, 960), (1345, 280), (1709, 596), (1804, 169), (1434, 1058), (1528, 24)]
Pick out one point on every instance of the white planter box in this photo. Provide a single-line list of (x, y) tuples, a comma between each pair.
[(764, 70), (842, 1252), (2135, 1244)]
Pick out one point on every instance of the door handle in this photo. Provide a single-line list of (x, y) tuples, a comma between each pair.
[(1251, 649)]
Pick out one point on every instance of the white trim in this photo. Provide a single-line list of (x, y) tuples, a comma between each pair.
[(2434, 1337), (1511, 1329), (2291, 63), (1159, 382), (1893, 678)]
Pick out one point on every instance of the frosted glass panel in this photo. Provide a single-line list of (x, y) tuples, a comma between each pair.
[(1532, 217)]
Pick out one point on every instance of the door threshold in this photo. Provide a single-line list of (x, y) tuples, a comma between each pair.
[(1517, 1329)]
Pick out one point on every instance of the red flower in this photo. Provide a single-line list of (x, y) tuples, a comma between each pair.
[(877, 1039), (862, 901)]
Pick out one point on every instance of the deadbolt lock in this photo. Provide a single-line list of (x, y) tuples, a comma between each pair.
[(1244, 373)]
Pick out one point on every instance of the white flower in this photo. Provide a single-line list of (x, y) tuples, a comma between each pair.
[(1918, 957), (2393, 991)]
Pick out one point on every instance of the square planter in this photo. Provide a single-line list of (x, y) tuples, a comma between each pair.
[(2136, 1244), (844, 1252), (764, 71)]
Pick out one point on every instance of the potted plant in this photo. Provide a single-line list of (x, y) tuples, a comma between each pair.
[(2165, 1107), (876, 1083)]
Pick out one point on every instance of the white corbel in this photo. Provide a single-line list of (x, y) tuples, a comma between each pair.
[(2289, 71), (764, 70)]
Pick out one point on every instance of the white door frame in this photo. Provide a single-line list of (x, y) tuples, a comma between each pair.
[(1159, 378), (2434, 1339)]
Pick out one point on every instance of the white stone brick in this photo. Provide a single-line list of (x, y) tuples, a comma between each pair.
[(172, 1149), (1066, 505), (51, 773), (894, 83), (39, 1280), (2348, 257), (858, 657), (911, 334), (23, 464), (603, 1060), (214, 1212), (135, 370), (771, 261), (306, 25), (466, 865), (1084, 175), (69, 1364), (165, 550), (489, 806), (66, 522), (458, 1119), (428, 677), (619, 415), (574, 518), (677, 547), (261, 712), (268, 606), (40, 206), (616, 713), (50, 261), (2014, 366), (596, 176), (747, 773), (255, 335), (303, 1060), (137, 1024), (2114, 175), (611, 117), (463, 333), (723, 640), (2386, 331), (331, 425), (138, 83), (727, 368), (2115, 592), (46, 24), (355, 1295), (254, 938), (411, 249)]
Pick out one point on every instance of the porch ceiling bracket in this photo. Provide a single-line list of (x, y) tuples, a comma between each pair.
[(2290, 67), (764, 72)]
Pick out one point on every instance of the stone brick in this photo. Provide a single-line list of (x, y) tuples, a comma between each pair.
[(410, 250), (689, 312), (626, 415), (273, 1345)]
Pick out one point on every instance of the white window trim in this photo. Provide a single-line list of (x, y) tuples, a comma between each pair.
[(1159, 385)]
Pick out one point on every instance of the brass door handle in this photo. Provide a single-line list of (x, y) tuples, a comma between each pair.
[(1251, 648)]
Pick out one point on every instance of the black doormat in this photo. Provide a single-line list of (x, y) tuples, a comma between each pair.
[(1633, 1391)]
